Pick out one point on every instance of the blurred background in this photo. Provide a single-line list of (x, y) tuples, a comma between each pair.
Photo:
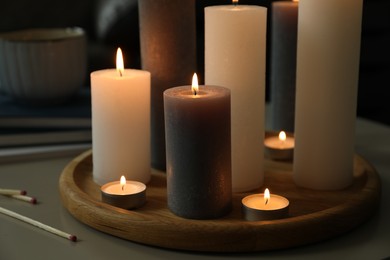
[(113, 23)]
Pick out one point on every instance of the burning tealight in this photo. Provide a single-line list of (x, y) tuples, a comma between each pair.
[(279, 146), (265, 206), (124, 194)]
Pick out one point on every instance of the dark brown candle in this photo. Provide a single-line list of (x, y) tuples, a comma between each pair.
[(198, 151), (168, 51), (283, 64)]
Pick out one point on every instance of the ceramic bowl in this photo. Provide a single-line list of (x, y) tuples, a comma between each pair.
[(42, 65)]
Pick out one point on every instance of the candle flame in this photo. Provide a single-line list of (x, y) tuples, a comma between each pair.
[(195, 86), (235, 2), (119, 62), (282, 136), (295, 1), (267, 196), (123, 182)]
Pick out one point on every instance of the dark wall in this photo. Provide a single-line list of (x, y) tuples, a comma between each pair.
[(113, 23), (374, 80)]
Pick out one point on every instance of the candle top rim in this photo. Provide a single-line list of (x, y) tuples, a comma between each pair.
[(139, 187), (234, 8), (204, 92), (289, 143), (276, 133), (275, 136), (272, 141), (260, 196), (113, 72), (287, 2)]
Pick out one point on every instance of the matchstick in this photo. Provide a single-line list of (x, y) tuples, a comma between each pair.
[(25, 198), (12, 192), (38, 224)]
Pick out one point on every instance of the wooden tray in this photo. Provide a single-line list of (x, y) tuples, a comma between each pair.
[(314, 215)]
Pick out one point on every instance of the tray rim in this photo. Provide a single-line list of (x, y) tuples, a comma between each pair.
[(250, 235)]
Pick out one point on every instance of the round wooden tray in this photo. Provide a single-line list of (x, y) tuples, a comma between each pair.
[(314, 215)]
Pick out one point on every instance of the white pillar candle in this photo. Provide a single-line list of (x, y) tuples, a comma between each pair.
[(120, 125), (327, 79), (235, 41)]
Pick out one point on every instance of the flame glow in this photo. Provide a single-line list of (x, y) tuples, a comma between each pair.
[(267, 196), (119, 62), (195, 86), (123, 182), (282, 136)]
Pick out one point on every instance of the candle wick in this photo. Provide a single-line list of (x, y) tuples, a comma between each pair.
[(123, 187), (120, 73), (266, 201), (195, 92)]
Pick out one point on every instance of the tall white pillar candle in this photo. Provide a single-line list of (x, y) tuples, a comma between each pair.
[(120, 125), (326, 92), (235, 41)]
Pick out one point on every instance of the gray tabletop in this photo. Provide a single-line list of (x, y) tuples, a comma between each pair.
[(40, 177)]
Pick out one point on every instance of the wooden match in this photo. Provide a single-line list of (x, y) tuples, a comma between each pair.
[(38, 224), (25, 198), (12, 192)]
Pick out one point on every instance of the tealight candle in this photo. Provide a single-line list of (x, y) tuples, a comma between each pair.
[(265, 206), (124, 194), (279, 146)]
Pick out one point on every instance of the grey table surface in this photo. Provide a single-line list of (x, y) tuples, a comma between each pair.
[(40, 177)]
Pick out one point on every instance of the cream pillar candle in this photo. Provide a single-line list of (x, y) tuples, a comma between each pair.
[(235, 41), (327, 80), (120, 125)]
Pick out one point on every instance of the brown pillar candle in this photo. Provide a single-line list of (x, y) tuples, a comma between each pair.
[(168, 52), (199, 184), (283, 64)]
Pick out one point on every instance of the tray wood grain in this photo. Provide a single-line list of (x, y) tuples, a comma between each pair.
[(314, 215)]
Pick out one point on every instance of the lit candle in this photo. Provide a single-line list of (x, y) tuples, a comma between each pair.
[(197, 128), (327, 80), (265, 206), (120, 124), (235, 40), (168, 51), (124, 194), (281, 142), (283, 64), (279, 146)]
